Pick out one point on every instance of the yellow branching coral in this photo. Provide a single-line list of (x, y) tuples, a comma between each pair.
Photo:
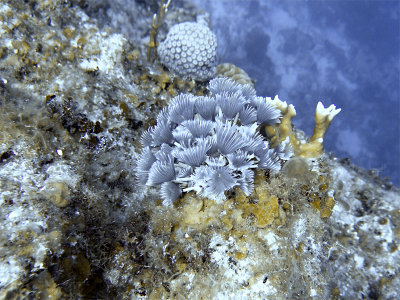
[(279, 132), (323, 118), (157, 21)]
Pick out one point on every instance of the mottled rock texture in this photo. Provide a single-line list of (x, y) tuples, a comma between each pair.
[(76, 92)]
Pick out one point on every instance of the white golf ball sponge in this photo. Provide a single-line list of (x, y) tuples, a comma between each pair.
[(190, 51)]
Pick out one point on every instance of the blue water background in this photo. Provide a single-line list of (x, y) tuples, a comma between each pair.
[(339, 52)]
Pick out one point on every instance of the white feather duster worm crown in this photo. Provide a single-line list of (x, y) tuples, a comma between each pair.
[(208, 144)]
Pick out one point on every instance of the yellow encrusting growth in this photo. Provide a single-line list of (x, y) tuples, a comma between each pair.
[(265, 211), (327, 209), (321, 199), (198, 212), (261, 208)]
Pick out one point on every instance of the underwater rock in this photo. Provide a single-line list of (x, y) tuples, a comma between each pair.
[(75, 97)]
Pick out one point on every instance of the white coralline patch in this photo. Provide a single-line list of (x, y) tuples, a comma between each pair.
[(272, 241), (235, 274), (4, 8), (10, 270), (25, 235), (299, 229), (62, 172), (366, 214), (21, 223), (104, 54)]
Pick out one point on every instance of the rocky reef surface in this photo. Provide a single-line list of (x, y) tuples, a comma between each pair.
[(76, 93)]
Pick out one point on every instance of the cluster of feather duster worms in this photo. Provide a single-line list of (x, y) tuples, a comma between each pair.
[(210, 144)]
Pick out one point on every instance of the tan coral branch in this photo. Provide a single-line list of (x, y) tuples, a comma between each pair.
[(156, 23), (323, 118)]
